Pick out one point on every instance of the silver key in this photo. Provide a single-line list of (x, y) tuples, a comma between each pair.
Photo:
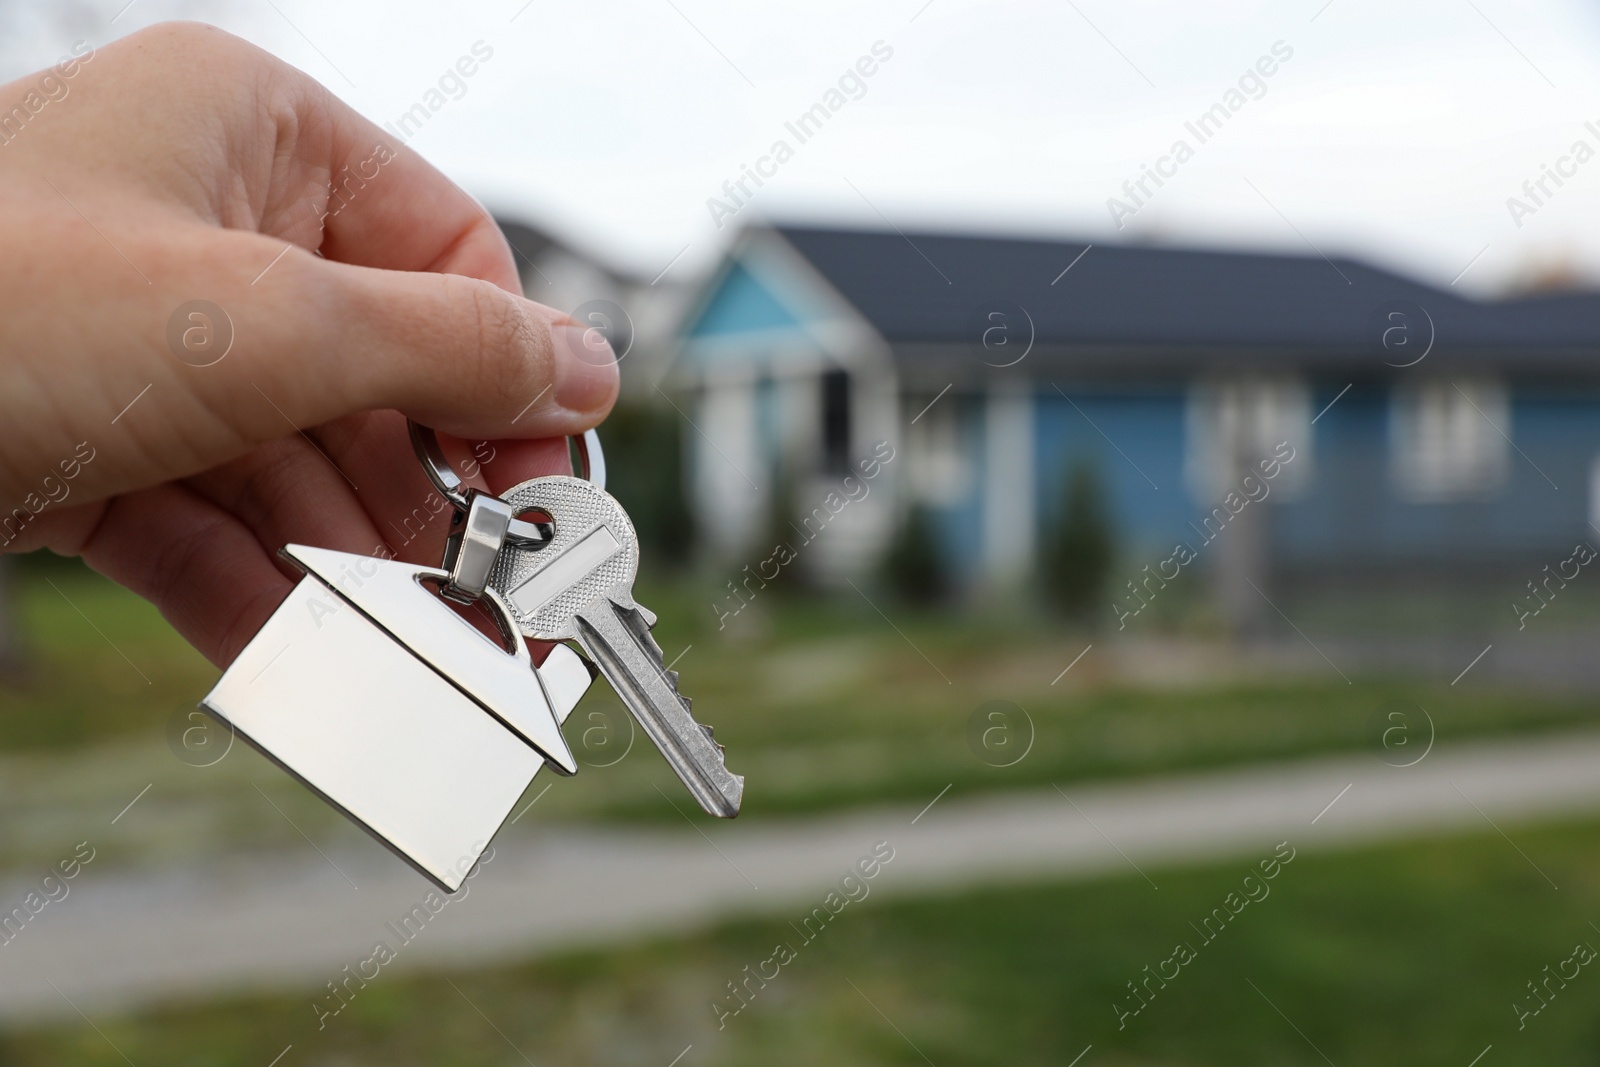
[(579, 587)]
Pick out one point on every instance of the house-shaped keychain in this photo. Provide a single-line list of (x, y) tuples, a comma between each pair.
[(396, 710)]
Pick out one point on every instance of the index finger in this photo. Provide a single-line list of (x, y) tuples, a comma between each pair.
[(382, 204)]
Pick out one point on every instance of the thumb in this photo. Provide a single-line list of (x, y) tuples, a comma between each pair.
[(463, 355), (314, 341)]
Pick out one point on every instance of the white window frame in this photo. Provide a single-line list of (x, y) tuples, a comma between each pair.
[(1450, 439), (1233, 423)]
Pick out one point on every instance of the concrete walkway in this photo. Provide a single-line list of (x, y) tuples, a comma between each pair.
[(122, 939)]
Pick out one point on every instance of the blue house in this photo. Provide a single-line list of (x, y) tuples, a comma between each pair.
[(1406, 428)]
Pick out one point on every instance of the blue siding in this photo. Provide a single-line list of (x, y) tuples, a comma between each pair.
[(1345, 512), (1353, 515), (1147, 425), (1560, 432), (1349, 513)]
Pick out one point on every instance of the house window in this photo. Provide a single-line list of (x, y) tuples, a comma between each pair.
[(1234, 424), (836, 421), (1450, 439)]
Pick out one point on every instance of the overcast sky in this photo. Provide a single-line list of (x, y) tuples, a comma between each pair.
[(1395, 132)]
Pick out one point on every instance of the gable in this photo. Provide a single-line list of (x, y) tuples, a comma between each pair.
[(742, 303)]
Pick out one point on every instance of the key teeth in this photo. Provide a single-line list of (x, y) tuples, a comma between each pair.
[(712, 737), (640, 620), (636, 614)]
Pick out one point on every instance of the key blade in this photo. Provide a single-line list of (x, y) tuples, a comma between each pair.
[(618, 640)]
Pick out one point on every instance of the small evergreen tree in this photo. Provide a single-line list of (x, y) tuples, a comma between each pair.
[(645, 472), (912, 565), (1079, 553), (783, 528)]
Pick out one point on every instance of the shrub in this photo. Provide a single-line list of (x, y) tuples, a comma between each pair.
[(912, 566), (644, 471), (1079, 550)]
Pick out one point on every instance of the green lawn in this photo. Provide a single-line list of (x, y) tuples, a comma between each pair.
[(1403, 955), (823, 704), (102, 663)]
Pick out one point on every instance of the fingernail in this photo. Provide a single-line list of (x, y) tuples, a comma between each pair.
[(586, 369)]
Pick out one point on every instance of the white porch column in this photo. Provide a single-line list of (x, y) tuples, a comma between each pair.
[(1008, 485), (730, 472)]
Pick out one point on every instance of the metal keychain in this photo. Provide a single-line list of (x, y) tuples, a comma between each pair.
[(391, 706), (485, 524)]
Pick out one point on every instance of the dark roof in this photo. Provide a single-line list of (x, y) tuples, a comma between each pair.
[(920, 289), (528, 243)]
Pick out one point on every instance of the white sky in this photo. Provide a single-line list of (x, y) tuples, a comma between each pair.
[(1395, 133)]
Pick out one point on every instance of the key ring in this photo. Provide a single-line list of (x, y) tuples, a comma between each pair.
[(425, 442), (484, 523)]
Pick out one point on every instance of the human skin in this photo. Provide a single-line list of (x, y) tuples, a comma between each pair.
[(180, 164)]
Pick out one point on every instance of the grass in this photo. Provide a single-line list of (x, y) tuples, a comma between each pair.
[(822, 704), (101, 663), (1400, 955)]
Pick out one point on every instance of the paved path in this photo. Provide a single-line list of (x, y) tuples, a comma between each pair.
[(122, 938)]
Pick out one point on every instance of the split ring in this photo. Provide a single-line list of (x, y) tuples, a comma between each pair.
[(591, 461)]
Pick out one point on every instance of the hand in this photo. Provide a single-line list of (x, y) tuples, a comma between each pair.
[(181, 164)]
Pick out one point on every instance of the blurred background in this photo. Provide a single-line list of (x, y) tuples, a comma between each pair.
[(1119, 477)]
